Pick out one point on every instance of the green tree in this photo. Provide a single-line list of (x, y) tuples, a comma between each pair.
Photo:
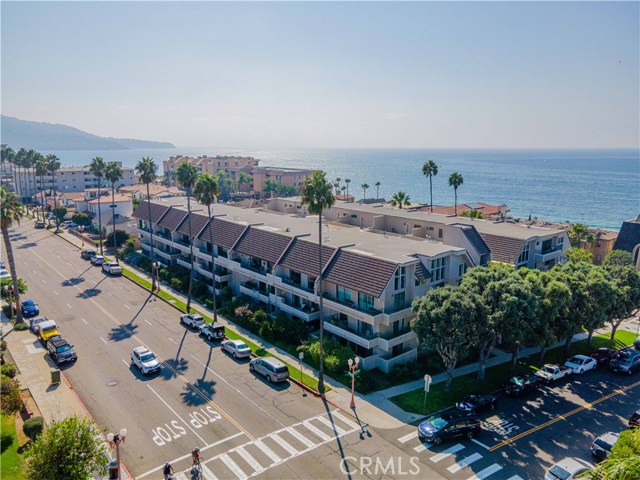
[(602, 297), (244, 179), (578, 255), (53, 165), (430, 170), (146, 169), (11, 211), (186, 174), (400, 200), (283, 190), (364, 187), (206, 192), (60, 212), (579, 233), (472, 214), (227, 186), (8, 284), (98, 167), (377, 185), (618, 257), (627, 283), (455, 181), (120, 237), (113, 173), (81, 219), (10, 399), (69, 449), (347, 181), (623, 462), (445, 321), (317, 195), (41, 171), (8, 154)]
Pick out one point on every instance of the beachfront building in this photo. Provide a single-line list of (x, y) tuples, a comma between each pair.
[(602, 245), (230, 165), (629, 239), (488, 211), (155, 190), (293, 177), (369, 279)]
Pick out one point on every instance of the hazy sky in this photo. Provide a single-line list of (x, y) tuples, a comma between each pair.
[(504, 74)]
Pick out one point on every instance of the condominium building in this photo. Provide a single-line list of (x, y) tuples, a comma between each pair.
[(285, 176), (369, 279), (629, 239), (230, 165)]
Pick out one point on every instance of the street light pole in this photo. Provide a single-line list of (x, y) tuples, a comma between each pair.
[(116, 440), (353, 371)]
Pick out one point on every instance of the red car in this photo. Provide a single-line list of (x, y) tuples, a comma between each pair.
[(603, 355)]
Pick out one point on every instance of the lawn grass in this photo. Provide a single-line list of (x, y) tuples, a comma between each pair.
[(10, 461), (438, 398)]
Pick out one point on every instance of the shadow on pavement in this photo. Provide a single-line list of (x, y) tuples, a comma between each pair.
[(198, 393), (140, 376), (141, 308), (122, 332), (72, 281), (174, 367)]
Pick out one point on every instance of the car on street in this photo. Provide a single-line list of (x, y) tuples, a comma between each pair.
[(521, 385), (145, 360), (4, 274), (97, 260), (476, 403), (601, 446), (192, 320), (29, 308), (39, 225), (2, 264), (448, 425), (236, 348), (88, 254), (567, 469), (46, 330), (212, 331), (60, 350), (604, 355), (634, 419), (581, 363), (627, 361), (636, 343), (272, 369), (34, 324), (112, 268), (550, 373)]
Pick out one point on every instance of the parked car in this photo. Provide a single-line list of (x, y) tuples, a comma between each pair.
[(4, 274), (581, 363), (521, 385), (145, 360), (97, 260), (603, 355), (477, 403), (29, 308), (46, 330), (448, 425), (60, 350), (88, 254), (636, 343), (634, 419), (212, 331), (567, 469), (550, 373), (627, 361), (39, 225), (270, 368), (67, 224), (34, 324), (112, 268), (601, 446), (237, 348), (191, 320)]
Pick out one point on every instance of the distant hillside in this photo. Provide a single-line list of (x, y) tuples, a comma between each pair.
[(53, 136)]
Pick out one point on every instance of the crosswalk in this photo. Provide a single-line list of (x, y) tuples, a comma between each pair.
[(252, 458)]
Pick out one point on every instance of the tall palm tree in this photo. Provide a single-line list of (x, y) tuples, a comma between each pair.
[(206, 191), (364, 187), (40, 166), (400, 199), (347, 181), (11, 211), (430, 169), (7, 158), (146, 170), (336, 184), (244, 179), (316, 194), (377, 184), (18, 162), (455, 180), (30, 165), (113, 173), (53, 165), (97, 168), (186, 174)]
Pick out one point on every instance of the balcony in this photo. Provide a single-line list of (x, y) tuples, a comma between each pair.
[(203, 269), (341, 328), (248, 269), (548, 254), (184, 260), (351, 308), (166, 236), (287, 284), (304, 312), (180, 241), (165, 253), (250, 289), (391, 339)]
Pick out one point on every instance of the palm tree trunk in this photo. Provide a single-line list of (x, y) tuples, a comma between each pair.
[(99, 216), (12, 269), (430, 193), (320, 294), (190, 251), (153, 277), (455, 207), (213, 268), (42, 195), (113, 215), (55, 202)]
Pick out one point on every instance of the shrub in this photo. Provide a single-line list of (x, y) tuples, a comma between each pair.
[(10, 398), (21, 326), (6, 440), (3, 345), (291, 330), (144, 263), (176, 284), (165, 275), (8, 369), (33, 427), (81, 219), (243, 311), (121, 237)]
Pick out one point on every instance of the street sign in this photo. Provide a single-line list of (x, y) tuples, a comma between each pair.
[(301, 355), (427, 382)]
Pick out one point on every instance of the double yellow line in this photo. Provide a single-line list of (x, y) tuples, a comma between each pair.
[(177, 374), (564, 416)]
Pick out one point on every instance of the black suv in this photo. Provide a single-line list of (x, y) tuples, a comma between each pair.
[(522, 385), (634, 420), (60, 350), (627, 361), (87, 254), (447, 425)]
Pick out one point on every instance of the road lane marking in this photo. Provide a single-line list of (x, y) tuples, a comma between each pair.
[(331, 425), (148, 322), (69, 306), (267, 451), (564, 416), (284, 444), (301, 438), (69, 264), (125, 362), (481, 475), (465, 462), (316, 431), (55, 292), (447, 453), (127, 306), (35, 272), (207, 473), (108, 292), (44, 281), (345, 420), (477, 442), (180, 476), (421, 448), (85, 322), (233, 466), (103, 340), (188, 425), (407, 437), (253, 463), (515, 477), (172, 340)]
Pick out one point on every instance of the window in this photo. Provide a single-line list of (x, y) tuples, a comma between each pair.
[(398, 301), (344, 294), (461, 269), (438, 269), (524, 255), (365, 302), (439, 233), (400, 278)]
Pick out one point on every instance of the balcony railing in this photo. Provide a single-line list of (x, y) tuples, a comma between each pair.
[(183, 242), (252, 268), (289, 281), (344, 325), (166, 236), (354, 305)]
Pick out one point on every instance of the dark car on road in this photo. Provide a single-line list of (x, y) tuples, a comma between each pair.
[(29, 308), (604, 355), (87, 254), (627, 361), (60, 350), (634, 420), (477, 403), (212, 331), (521, 385), (448, 425), (601, 446), (40, 225)]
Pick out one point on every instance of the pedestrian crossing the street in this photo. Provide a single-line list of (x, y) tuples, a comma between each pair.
[(253, 458)]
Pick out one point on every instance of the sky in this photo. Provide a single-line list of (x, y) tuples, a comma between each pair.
[(314, 75)]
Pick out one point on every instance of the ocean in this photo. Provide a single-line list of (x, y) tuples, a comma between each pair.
[(600, 188)]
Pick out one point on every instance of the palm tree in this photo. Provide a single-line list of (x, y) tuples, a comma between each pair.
[(146, 170), (11, 211), (430, 169), (400, 199), (186, 174), (336, 184), (377, 184), (113, 173), (347, 181), (7, 157), (244, 179), (40, 166), (316, 194), (206, 192), (53, 165), (97, 168), (455, 180), (18, 162), (364, 187)]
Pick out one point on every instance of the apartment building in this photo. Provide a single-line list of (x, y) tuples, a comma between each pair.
[(285, 176), (369, 279), (230, 165), (629, 239), (68, 179)]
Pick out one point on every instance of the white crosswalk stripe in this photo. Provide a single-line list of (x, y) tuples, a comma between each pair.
[(345, 420), (284, 444), (464, 462), (482, 474), (332, 426), (420, 448), (408, 437), (233, 466), (249, 459), (316, 431), (207, 474), (301, 438), (180, 476), (267, 451), (515, 477), (447, 453)]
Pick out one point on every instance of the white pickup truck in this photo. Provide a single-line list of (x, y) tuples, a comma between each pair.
[(112, 268), (551, 373)]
